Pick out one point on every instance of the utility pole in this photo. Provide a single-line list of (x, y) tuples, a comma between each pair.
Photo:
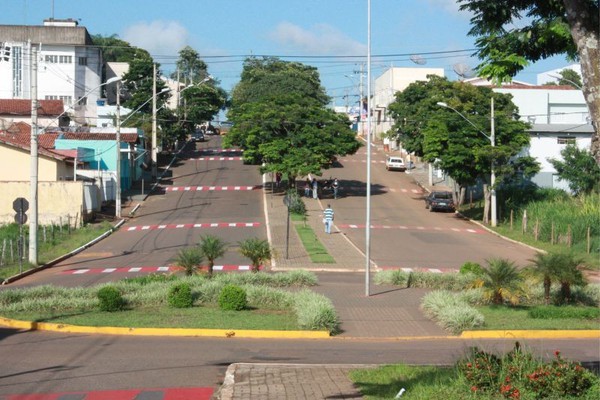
[(154, 157), (118, 145), (360, 102), (33, 201), (493, 171)]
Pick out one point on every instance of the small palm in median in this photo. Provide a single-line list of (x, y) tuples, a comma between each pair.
[(257, 250), (501, 280), (212, 247), (547, 267), (569, 275), (189, 259)]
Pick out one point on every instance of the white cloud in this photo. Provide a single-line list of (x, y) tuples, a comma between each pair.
[(158, 37), (320, 39)]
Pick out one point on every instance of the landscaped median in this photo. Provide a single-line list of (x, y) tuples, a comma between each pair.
[(256, 305)]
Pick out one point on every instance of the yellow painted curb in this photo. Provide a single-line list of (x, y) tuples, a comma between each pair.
[(106, 330), (527, 334)]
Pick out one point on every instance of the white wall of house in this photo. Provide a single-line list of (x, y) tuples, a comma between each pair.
[(387, 84)]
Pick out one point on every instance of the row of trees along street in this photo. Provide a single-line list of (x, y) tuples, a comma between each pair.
[(280, 119), (201, 100)]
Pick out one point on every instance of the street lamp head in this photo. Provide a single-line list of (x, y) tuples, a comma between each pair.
[(112, 80), (442, 104), (164, 90)]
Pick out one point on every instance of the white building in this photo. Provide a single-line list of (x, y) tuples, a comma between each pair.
[(69, 66), (387, 84), (559, 116)]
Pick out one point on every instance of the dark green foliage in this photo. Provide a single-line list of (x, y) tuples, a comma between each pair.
[(579, 168), (471, 268), (111, 299), (281, 119), (233, 297), (180, 296), (211, 248), (500, 281), (554, 312), (257, 250)]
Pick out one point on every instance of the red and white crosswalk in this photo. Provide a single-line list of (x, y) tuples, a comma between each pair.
[(210, 188), (151, 269), (138, 228), (411, 228), (196, 393), (216, 158), (421, 269)]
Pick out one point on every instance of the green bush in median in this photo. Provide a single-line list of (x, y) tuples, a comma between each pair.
[(180, 296), (233, 298), (111, 299)]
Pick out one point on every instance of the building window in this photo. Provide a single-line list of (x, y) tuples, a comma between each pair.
[(566, 140), (65, 59), (83, 61), (51, 59)]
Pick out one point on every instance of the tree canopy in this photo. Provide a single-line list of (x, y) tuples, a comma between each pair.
[(280, 119), (512, 33), (457, 138), (579, 169)]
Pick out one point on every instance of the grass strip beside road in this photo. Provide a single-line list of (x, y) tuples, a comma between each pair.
[(511, 318), (199, 317), (314, 248)]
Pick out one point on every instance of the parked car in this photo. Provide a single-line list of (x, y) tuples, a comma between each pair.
[(395, 164), (198, 136), (440, 201)]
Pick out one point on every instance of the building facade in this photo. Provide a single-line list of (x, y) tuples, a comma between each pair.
[(69, 66)]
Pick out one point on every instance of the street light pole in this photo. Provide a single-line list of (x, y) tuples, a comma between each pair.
[(118, 146), (154, 155), (492, 139), (368, 216)]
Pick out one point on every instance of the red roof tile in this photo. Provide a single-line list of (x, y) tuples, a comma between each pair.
[(125, 137), (21, 142), (22, 107)]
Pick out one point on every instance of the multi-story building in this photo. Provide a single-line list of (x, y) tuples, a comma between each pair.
[(69, 65)]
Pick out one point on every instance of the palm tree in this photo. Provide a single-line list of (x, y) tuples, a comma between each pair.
[(501, 279), (212, 247), (569, 275), (547, 267), (257, 250), (189, 259)]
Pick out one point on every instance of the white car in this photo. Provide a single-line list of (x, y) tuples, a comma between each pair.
[(395, 163)]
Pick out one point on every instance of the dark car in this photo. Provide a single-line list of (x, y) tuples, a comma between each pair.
[(440, 201), (198, 136)]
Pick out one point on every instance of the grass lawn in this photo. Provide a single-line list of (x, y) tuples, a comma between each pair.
[(62, 244), (420, 382), (506, 317), (314, 248), (167, 317)]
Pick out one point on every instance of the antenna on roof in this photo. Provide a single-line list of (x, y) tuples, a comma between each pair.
[(417, 59), (463, 71)]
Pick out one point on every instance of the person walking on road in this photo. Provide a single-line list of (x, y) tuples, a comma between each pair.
[(315, 188), (335, 186), (328, 218), (307, 188)]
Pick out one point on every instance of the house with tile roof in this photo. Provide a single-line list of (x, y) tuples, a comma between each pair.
[(19, 110)]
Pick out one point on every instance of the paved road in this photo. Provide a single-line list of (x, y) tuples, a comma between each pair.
[(403, 232), (171, 220)]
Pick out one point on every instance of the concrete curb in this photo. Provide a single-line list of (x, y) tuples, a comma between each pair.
[(532, 334), (124, 331)]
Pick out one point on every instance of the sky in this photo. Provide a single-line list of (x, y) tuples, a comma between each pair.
[(331, 35)]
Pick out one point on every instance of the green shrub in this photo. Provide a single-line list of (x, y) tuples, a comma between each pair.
[(110, 299), (315, 312), (554, 312), (450, 311), (422, 279), (232, 297), (471, 268), (180, 296), (296, 204)]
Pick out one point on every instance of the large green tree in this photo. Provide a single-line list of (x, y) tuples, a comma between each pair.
[(462, 148), (512, 33), (578, 168), (281, 119)]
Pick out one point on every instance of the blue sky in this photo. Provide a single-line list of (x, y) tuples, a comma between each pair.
[(309, 31)]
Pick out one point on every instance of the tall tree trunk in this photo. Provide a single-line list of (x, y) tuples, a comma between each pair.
[(487, 195), (585, 33)]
